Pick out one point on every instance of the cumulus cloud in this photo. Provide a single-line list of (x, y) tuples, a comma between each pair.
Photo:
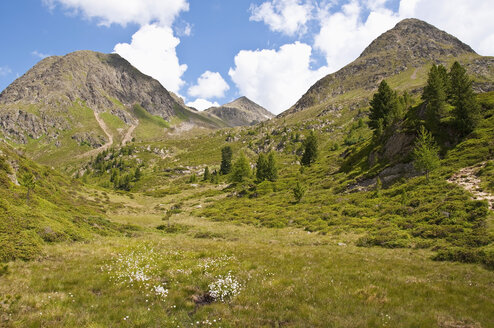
[(109, 12), (275, 79), (5, 70), (344, 35), (285, 16), (209, 85), (470, 21), (152, 51), (202, 104)]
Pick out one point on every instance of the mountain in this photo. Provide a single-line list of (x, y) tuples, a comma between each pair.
[(90, 99), (241, 112), (403, 55)]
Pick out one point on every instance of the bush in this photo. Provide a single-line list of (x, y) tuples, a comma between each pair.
[(466, 255)]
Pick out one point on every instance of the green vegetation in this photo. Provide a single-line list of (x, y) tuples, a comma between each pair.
[(266, 167), (168, 232), (240, 169), (58, 211), (463, 100), (310, 150), (426, 152), (226, 160)]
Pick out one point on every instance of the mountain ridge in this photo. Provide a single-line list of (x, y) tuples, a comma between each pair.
[(52, 103), (241, 112), (408, 47)]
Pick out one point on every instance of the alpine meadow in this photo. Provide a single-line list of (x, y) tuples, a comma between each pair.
[(368, 203)]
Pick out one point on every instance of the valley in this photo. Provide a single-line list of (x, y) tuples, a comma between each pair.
[(368, 203)]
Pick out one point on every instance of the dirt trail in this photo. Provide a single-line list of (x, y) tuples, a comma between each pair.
[(107, 145), (128, 136), (467, 179)]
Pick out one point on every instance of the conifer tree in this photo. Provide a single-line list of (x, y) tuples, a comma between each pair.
[(435, 95), (261, 168), (226, 160), (240, 169), (462, 98), (137, 174), (425, 152), (206, 175), (298, 192), (272, 170), (383, 104), (28, 181), (310, 150)]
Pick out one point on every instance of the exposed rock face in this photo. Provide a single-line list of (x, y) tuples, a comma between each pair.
[(89, 138), (410, 44), (18, 125), (39, 102), (241, 112), (101, 80)]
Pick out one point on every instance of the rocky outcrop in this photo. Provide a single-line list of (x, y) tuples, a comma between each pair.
[(19, 125), (241, 112)]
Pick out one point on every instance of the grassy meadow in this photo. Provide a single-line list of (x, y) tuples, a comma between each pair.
[(261, 277)]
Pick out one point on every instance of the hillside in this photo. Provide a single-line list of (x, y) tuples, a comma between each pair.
[(402, 55), (66, 105), (51, 209), (315, 218), (241, 112)]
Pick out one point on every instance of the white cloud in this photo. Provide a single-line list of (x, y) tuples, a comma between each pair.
[(275, 79), (38, 54), (122, 12), (5, 70), (152, 51), (285, 16), (209, 85), (470, 21), (343, 35), (202, 104)]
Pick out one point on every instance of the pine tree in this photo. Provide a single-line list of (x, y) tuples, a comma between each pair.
[(425, 152), (383, 104), (272, 169), (240, 169), (206, 175), (28, 181), (462, 98), (310, 150), (298, 192), (226, 160), (262, 168), (137, 174), (435, 95)]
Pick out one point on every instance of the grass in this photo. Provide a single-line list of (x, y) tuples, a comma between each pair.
[(150, 127), (288, 277), (414, 253), (56, 210)]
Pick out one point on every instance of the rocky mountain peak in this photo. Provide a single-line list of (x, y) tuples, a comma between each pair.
[(411, 46), (241, 112), (97, 79), (417, 39)]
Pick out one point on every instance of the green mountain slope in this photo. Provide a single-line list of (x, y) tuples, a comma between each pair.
[(52, 209), (66, 106)]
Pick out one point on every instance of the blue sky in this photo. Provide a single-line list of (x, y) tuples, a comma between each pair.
[(211, 52)]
